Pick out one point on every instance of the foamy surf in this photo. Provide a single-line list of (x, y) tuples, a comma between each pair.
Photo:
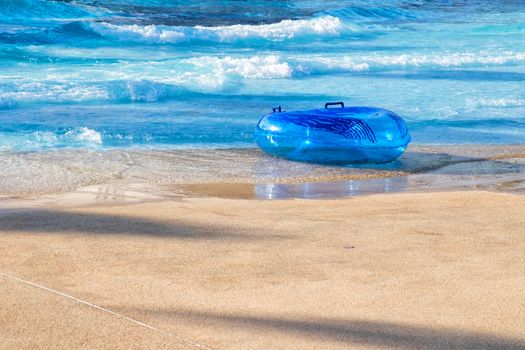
[(287, 29), (43, 139), (173, 78)]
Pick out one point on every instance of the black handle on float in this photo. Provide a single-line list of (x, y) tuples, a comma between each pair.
[(278, 109), (334, 104)]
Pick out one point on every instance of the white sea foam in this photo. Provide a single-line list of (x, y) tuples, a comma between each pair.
[(44, 139), (85, 135), (53, 92), (315, 65), (215, 71), (353, 63), (158, 34), (40, 139), (495, 102), (450, 60), (165, 79), (258, 67)]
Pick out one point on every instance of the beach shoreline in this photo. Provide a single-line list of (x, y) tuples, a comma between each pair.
[(120, 176)]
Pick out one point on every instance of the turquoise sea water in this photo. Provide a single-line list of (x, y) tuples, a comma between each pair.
[(192, 74)]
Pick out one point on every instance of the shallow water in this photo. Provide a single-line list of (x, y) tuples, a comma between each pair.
[(122, 175), (198, 74)]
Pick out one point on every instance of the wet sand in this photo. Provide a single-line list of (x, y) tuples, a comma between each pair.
[(158, 174), (435, 270), (73, 178)]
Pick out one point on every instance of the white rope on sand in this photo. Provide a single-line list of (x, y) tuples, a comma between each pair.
[(103, 309)]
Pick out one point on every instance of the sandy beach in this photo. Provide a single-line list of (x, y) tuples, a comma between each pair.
[(262, 175), (441, 270)]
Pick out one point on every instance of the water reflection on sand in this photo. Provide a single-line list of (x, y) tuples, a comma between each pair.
[(335, 189)]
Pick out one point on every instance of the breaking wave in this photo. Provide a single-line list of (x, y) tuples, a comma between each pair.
[(258, 67), (82, 135), (356, 63), (159, 34), (47, 139), (157, 81)]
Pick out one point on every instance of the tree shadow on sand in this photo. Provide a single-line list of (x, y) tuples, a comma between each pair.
[(350, 331), (60, 222)]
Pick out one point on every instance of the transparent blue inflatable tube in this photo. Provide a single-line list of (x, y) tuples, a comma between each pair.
[(351, 135)]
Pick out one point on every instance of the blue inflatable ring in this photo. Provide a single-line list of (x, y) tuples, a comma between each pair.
[(352, 135)]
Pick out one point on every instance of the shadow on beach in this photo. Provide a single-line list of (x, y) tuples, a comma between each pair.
[(60, 222), (347, 331), (420, 162)]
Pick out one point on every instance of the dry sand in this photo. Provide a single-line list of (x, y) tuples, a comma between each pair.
[(421, 271)]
